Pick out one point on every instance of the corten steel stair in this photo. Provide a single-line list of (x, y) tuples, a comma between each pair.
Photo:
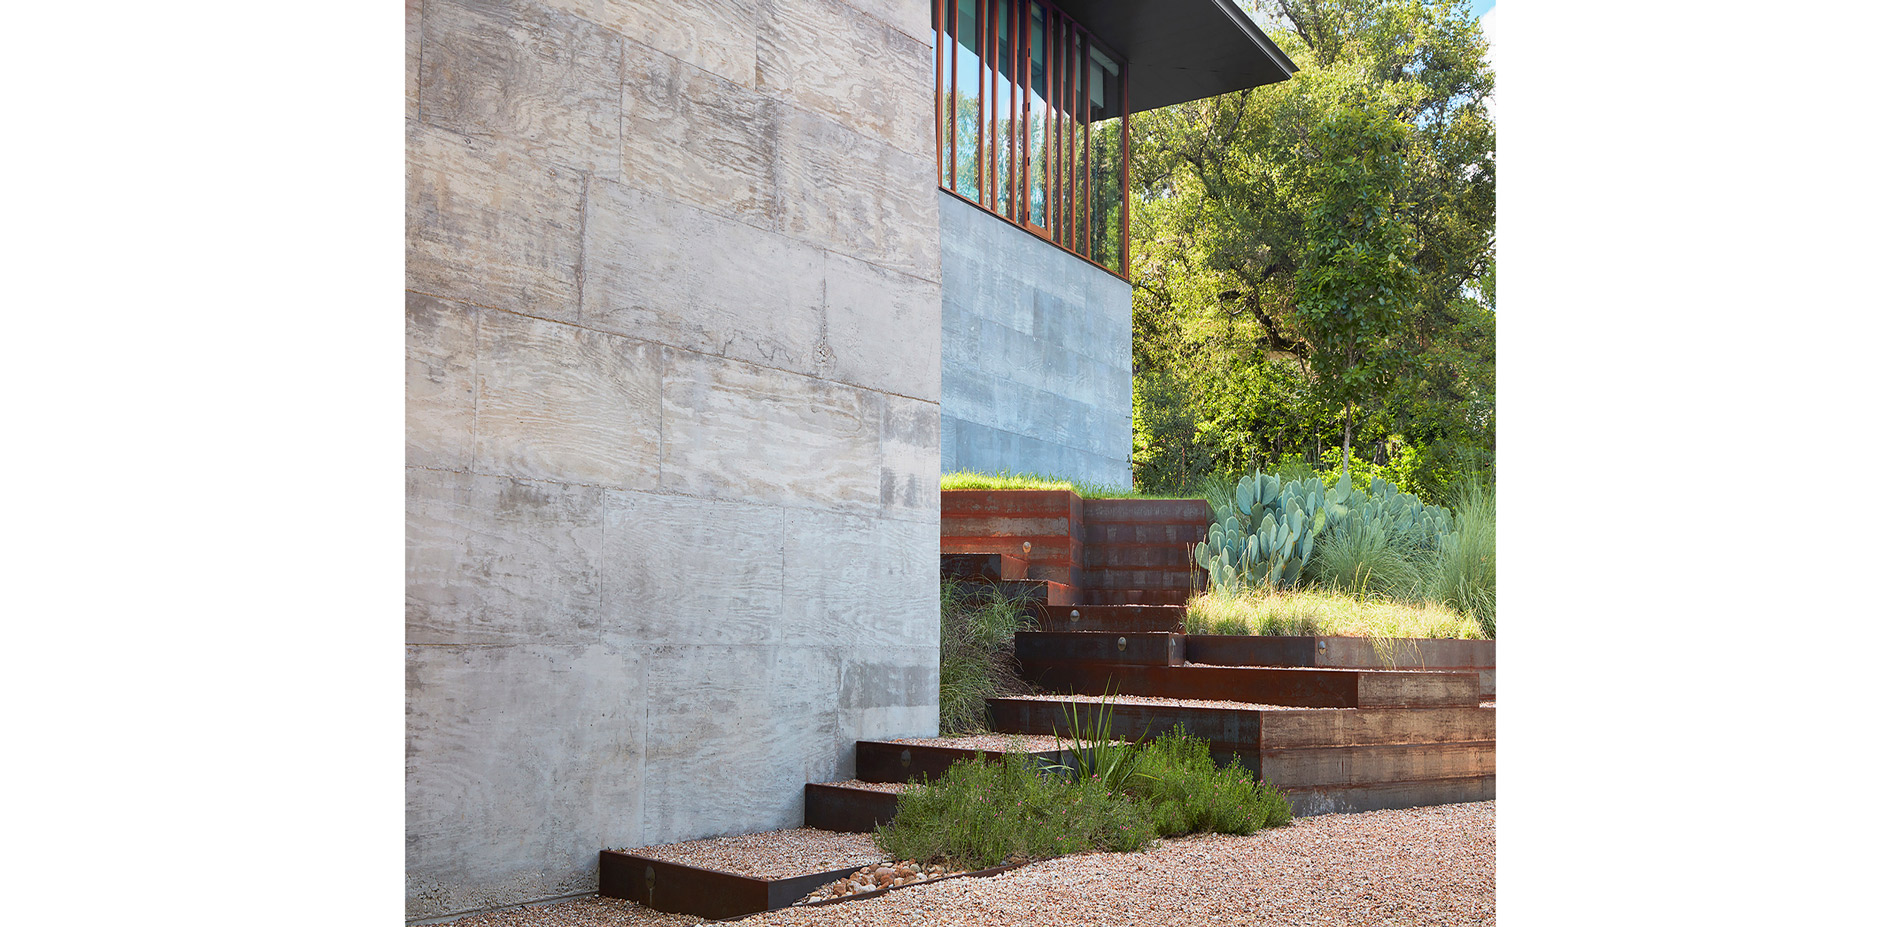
[(1336, 723), (1078, 551), (1323, 717)]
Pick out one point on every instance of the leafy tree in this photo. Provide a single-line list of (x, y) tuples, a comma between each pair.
[(1311, 258)]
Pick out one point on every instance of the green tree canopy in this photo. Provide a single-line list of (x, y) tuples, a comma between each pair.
[(1313, 259)]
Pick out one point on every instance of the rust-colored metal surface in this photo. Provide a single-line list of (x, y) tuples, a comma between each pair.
[(992, 567), (842, 808), (1368, 726), (1110, 551), (1240, 650), (1032, 592), (885, 761), (1232, 728), (1373, 764), (1340, 652), (1347, 799), (978, 521), (1119, 618), (1300, 688), (1132, 647), (1139, 551), (681, 889)]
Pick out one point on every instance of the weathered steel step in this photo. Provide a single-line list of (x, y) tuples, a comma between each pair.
[(1122, 618), (844, 807), (1346, 799), (991, 567), (1030, 591), (893, 761), (681, 889), (1251, 728), (1303, 687), (1135, 647), (1372, 764), (1349, 653)]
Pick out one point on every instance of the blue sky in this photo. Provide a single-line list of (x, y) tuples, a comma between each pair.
[(1482, 7)]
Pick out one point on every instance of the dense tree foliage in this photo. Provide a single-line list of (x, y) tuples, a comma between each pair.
[(1314, 260)]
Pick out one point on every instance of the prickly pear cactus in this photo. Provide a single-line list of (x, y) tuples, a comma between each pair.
[(1265, 535)]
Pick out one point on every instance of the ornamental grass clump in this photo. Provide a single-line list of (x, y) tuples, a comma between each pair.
[(976, 655), (1185, 793), (1466, 577), (978, 815)]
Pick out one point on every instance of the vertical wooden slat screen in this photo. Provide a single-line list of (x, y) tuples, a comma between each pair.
[(996, 172)]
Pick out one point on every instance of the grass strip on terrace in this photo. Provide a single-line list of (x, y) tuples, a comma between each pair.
[(1324, 613), (1005, 479)]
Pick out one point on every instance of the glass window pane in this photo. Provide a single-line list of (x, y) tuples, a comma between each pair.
[(946, 99), (1039, 73), (1105, 163), (969, 76), (1005, 119)]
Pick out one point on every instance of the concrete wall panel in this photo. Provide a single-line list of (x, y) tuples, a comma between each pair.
[(522, 763), (493, 560), (855, 195), (877, 330), (887, 692), (753, 434), (688, 571), (564, 403), (721, 740), (912, 17), (858, 579), (412, 58), (439, 383), (669, 272), (1038, 354), (491, 227), (673, 422), (717, 36), (696, 136), (907, 470), (508, 69), (804, 58)]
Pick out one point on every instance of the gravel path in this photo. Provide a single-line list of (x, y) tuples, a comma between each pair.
[(1416, 866)]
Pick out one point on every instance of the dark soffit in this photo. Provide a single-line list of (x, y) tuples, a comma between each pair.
[(1180, 50)]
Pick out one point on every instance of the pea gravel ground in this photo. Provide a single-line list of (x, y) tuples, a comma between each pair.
[(1416, 866)]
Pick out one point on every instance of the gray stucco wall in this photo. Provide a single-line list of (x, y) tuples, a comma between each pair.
[(1037, 354), (673, 303)]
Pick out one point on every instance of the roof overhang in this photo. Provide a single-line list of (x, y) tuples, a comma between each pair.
[(1181, 50)]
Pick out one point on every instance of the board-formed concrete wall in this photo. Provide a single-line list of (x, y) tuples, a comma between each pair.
[(1037, 354), (673, 299)]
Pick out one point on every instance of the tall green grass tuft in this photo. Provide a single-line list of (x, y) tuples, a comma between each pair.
[(980, 814), (1175, 776), (968, 479), (1466, 575), (976, 657), (1325, 612), (1366, 559)]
